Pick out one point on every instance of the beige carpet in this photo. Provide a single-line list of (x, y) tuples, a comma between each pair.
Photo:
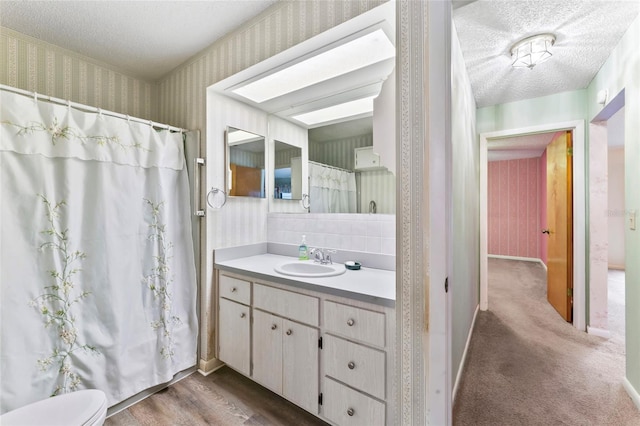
[(527, 366)]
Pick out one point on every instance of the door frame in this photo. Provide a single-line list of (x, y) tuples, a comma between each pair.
[(579, 211)]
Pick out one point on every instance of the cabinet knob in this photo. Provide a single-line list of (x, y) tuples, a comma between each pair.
[(351, 365), (233, 289), (273, 326), (289, 332), (242, 315), (350, 322), (351, 412)]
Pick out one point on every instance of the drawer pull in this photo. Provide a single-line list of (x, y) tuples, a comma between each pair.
[(289, 332), (273, 326), (350, 322), (242, 315), (233, 289), (351, 365), (351, 412)]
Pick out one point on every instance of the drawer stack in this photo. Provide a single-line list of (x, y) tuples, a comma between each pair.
[(354, 388)]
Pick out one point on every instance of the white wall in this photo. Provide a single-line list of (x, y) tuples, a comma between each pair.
[(465, 278), (620, 72)]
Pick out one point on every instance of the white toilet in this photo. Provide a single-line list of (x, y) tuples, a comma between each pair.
[(81, 408)]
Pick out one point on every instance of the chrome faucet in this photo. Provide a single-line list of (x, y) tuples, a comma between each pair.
[(322, 256)]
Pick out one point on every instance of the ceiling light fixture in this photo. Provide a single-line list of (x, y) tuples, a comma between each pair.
[(336, 112), (353, 55), (531, 51)]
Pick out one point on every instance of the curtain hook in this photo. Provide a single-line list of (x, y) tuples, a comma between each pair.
[(100, 112), (128, 119), (69, 104), (35, 97)]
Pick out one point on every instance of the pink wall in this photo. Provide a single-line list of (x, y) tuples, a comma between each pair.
[(543, 206), (514, 207)]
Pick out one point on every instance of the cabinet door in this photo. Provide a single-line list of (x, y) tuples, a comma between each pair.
[(267, 350), (234, 335), (300, 365)]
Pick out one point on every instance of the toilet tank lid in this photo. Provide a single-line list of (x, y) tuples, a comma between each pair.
[(75, 408)]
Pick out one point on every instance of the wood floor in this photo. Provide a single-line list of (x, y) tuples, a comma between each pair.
[(225, 397)]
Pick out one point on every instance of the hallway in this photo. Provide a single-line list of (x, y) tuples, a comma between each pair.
[(527, 366)]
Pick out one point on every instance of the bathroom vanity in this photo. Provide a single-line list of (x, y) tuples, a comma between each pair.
[(326, 344)]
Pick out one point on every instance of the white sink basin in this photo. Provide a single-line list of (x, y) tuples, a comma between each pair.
[(309, 269)]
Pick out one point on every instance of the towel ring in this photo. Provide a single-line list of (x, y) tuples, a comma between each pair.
[(306, 203), (214, 197)]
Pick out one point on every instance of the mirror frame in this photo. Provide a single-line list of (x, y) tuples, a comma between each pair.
[(228, 176)]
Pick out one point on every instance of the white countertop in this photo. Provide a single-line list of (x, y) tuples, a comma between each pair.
[(367, 284)]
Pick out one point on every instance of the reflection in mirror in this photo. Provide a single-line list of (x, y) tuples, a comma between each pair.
[(245, 163), (287, 175), (345, 175)]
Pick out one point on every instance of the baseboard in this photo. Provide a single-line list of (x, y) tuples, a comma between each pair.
[(207, 367), (526, 259), (633, 393), (599, 332), (616, 267), (464, 357)]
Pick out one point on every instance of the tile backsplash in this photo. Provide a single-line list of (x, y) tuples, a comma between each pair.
[(372, 233)]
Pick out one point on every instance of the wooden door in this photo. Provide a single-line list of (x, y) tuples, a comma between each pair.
[(300, 365), (560, 225), (234, 335), (267, 350)]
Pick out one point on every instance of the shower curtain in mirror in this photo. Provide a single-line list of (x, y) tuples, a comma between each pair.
[(98, 286), (331, 190)]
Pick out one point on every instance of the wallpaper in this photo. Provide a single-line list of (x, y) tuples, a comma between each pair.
[(513, 207), (338, 153), (37, 66)]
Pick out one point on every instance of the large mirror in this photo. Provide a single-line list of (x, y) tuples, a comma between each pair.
[(287, 173), (245, 169), (345, 175), (334, 95)]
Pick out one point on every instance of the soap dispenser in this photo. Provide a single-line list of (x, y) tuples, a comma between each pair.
[(303, 250)]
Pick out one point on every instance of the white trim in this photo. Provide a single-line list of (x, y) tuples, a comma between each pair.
[(207, 367), (579, 211), (633, 393), (600, 332), (464, 356), (526, 259)]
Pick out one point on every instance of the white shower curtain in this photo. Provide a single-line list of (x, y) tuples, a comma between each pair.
[(98, 286), (331, 190)]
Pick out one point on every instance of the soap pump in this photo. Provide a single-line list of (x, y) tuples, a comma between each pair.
[(303, 250)]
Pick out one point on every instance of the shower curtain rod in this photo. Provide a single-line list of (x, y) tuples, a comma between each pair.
[(87, 108), (331, 167)]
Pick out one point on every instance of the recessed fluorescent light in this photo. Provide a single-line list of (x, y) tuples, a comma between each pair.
[(359, 53), (335, 112), (240, 136)]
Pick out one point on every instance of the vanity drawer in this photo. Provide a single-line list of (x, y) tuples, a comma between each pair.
[(344, 406), (235, 289), (355, 323), (356, 365), (295, 306)]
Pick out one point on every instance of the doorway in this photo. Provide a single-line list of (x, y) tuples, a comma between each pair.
[(579, 209)]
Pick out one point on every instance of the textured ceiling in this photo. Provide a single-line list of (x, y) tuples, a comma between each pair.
[(586, 32), (146, 39)]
